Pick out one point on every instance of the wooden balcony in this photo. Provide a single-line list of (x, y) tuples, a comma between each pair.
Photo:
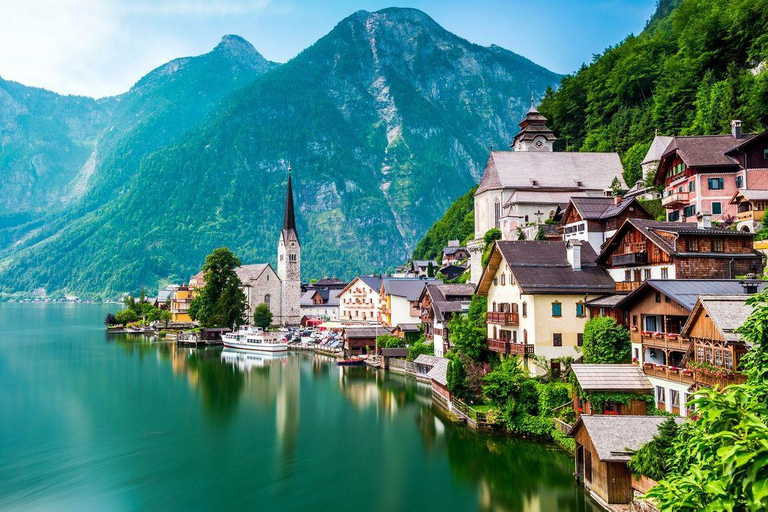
[(669, 373), (508, 347), (710, 381), (665, 342), (630, 258), (676, 199), (500, 318), (627, 286), (754, 215)]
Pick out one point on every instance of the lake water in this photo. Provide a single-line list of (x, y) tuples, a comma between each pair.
[(96, 422)]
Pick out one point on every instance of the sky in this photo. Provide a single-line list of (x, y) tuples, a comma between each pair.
[(102, 47)]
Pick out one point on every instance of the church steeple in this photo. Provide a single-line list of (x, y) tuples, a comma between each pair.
[(289, 262), (289, 219), (534, 135)]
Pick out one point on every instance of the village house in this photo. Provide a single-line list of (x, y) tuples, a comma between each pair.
[(596, 219), (181, 298), (360, 340), (452, 272), (656, 313), (646, 249), (604, 445), (530, 184), (359, 301), (400, 301), (750, 207), (321, 303), (438, 303), (716, 347), (453, 254), (537, 294), (700, 174), (626, 379)]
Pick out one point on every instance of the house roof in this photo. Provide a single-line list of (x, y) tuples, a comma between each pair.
[(686, 292), (395, 352), (448, 298), (408, 287), (749, 194), (611, 377), (427, 360), (727, 312), (703, 150), (653, 230), (658, 147), (453, 249), (609, 301), (373, 282), (329, 282), (518, 169), (364, 332), (616, 438), (542, 267), (409, 327), (439, 372), (546, 196), (600, 208), (248, 273), (330, 297)]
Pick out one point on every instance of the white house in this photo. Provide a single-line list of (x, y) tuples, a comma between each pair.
[(359, 301)]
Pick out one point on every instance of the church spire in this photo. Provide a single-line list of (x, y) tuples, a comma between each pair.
[(289, 219)]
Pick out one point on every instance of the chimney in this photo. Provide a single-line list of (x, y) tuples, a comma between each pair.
[(704, 220), (750, 284), (617, 199), (736, 129), (573, 253)]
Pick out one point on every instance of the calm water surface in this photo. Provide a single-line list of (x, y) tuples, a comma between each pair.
[(96, 422)]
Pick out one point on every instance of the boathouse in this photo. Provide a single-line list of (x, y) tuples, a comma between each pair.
[(438, 377), (621, 380)]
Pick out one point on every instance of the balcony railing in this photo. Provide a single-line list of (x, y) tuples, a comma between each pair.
[(755, 215), (713, 381), (630, 258), (627, 286), (501, 318), (509, 347), (665, 341), (669, 373), (676, 198)]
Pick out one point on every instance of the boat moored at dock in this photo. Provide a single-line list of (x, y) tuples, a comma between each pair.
[(254, 338)]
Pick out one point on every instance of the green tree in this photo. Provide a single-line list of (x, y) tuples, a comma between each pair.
[(262, 316), (504, 381), (420, 346), (456, 377), (654, 459), (489, 238), (126, 316), (389, 341), (469, 331), (606, 342), (221, 302), (165, 317), (430, 269), (631, 161)]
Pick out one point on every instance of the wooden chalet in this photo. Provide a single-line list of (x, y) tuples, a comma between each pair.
[(604, 445), (717, 348), (613, 378), (644, 249), (596, 219), (361, 340)]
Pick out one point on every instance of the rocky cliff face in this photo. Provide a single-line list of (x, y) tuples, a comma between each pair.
[(386, 120)]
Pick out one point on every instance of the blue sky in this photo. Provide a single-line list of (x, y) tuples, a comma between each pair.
[(102, 47)]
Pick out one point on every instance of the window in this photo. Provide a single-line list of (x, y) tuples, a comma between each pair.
[(689, 211), (557, 309), (717, 245), (665, 273), (525, 309), (699, 354), (660, 395), (692, 245), (718, 358), (717, 208), (580, 310), (658, 298), (292, 257), (739, 181), (495, 281), (525, 336), (496, 214), (674, 216), (691, 186), (580, 339), (267, 300), (514, 336), (728, 360), (627, 275), (647, 274), (765, 154), (503, 279), (637, 354), (715, 183), (557, 339), (634, 320), (674, 398)]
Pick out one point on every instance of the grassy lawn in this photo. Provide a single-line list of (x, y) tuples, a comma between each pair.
[(483, 407)]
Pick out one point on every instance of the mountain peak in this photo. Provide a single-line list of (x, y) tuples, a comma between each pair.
[(234, 42)]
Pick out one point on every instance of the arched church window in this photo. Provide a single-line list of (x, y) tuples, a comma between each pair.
[(267, 300), (292, 257), (496, 214)]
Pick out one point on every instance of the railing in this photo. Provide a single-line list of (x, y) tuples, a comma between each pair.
[(562, 426), (403, 364), (665, 341), (677, 197), (627, 286), (712, 381), (755, 215), (467, 411), (508, 347), (669, 373), (503, 318), (631, 258)]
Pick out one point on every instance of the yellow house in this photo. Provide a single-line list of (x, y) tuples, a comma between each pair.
[(537, 293), (180, 301)]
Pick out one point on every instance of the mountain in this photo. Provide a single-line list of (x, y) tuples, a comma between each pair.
[(697, 65), (385, 121)]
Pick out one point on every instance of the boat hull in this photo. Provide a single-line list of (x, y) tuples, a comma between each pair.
[(257, 347)]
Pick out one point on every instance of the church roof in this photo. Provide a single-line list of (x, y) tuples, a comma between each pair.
[(549, 169), (289, 219), (247, 273)]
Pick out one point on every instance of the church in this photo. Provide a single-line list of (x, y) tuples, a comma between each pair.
[(527, 186), (280, 290)]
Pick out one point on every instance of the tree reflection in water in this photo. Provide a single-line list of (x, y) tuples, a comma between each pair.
[(220, 384)]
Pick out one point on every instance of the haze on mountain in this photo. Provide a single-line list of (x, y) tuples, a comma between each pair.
[(385, 120)]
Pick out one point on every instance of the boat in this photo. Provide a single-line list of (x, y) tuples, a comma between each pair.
[(355, 361), (254, 338), (246, 360)]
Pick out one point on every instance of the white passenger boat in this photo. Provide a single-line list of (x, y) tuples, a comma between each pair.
[(254, 338)]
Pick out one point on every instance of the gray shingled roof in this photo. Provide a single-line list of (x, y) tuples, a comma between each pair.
[(658, 147), (447, 298), (687, 291), (611, 377), (753, 194), (247, 273), (439, 372), (609, 301), (703, 150), (364, 332), (426, 359), (410, 288), (517, 169), (409, 327), (542, 267), (727, 312), (616, 438)]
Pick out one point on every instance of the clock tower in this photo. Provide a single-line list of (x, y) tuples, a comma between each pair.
[(534, 135), (289, 263)]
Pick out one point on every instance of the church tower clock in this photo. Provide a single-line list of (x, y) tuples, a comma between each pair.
[(289, 263), (534, 135)]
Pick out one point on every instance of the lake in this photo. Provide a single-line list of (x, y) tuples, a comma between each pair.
[(96, 422)]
